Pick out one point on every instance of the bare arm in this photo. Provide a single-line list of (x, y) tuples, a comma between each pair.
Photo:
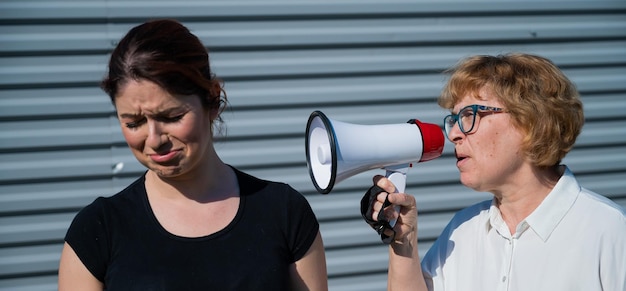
[(405, 271), (309, 273), (73, 275)]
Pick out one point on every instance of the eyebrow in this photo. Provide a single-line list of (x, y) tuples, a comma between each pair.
[(129, 115), (175, 110)]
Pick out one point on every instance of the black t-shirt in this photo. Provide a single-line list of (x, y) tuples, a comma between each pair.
[(122, 244)]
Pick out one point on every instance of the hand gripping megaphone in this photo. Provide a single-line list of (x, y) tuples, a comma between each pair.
[(338, 150)]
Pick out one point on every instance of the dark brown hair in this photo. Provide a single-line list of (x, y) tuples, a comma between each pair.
[(166, 53)]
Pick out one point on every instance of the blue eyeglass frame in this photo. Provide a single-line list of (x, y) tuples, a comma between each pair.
[(451, 119)]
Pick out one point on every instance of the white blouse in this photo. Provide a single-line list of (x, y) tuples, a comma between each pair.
[(574, 240)]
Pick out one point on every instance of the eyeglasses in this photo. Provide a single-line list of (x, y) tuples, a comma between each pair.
[(466, 118)]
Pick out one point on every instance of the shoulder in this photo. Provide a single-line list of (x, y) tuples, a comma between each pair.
[(589, 208), (253, 187), (278, 198), (602, 203), (472, 219), (465, 225), (591, 200), (478, 212), (602, 210), (127, 198)]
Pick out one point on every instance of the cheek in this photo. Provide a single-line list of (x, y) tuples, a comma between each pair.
[(191, 131), (133, 139), (488, 150), (202, 128), (506, 145), (496, 142)]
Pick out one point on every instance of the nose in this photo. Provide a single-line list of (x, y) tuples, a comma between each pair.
[(454, 134), (156, 135)]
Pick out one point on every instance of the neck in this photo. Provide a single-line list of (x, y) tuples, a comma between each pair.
[(519, 200), (210, 181)]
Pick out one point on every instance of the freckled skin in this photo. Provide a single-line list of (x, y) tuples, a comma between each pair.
[(491, 151)]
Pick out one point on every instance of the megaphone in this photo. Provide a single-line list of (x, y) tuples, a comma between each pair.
[(337, 150)]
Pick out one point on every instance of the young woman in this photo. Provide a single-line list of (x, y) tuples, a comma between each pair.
[(191, 222)]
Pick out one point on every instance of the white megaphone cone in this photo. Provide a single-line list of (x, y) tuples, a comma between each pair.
[(337, 150)]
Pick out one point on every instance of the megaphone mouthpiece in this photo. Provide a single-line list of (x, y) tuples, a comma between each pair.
[(432, 138)]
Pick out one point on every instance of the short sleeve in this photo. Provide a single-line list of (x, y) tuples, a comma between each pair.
[(303, 226), (88, 238)]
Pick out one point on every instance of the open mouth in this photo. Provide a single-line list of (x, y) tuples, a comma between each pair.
[(460, 157)]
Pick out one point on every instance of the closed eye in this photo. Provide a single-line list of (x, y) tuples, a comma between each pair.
[(135, 124), (170, 119)]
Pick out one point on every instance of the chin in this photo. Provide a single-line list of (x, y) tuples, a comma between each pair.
[(469, 183), (167, 172)]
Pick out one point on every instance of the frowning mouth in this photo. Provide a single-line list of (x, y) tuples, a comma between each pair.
[(163, 157)]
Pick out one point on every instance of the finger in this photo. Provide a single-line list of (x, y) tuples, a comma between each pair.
[(391, 213), (381, 197), (385, 183), (375, 215), (377, 206), (402, 199), (388, 212)]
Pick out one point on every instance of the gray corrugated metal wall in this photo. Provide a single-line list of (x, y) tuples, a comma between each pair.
[(366, 62)]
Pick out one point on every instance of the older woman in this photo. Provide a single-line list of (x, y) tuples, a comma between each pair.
[(514, 117)]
